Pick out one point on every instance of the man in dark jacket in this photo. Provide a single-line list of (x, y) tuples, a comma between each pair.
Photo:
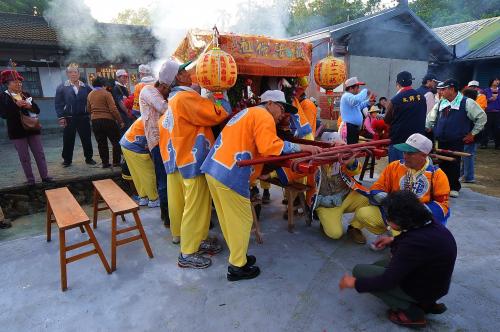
[(454, 121), (405, 114), (420, 268), (120, 93), (71, 109)]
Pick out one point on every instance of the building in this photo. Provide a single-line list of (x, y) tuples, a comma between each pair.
[(41, 58), (377, 47), (476, 50)]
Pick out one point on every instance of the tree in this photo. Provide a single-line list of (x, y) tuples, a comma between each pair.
[(308, 15), (133, 17), (23, 6), (438, 13)]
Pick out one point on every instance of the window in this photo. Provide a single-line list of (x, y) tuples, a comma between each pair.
[(31, 82)]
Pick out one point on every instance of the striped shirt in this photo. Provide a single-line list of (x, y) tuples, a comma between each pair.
[(152, 106)]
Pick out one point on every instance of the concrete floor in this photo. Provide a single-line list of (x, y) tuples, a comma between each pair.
[(297, 290)]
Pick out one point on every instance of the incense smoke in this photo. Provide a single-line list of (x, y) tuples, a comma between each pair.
[(91, 41)]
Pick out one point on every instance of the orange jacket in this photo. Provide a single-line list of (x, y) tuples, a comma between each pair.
[(134, 138), (302, 126), (311, 112), (250, 134), (482, 101), (185, 130), (431, 187)]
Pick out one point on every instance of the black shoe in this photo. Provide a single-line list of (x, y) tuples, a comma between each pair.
[(251, 260), (435, 308), (106, 165), (90, 161), (48, 180), (266, 196), (241, 273), (5, 224), (66, 164)]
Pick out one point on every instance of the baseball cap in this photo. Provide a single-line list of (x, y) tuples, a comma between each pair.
[(121, 72), (277, 96), (404, 78), (430, 77), (145, 69), (473, 83), (168, 71), (415, 143), (448, 84), (353, 81)]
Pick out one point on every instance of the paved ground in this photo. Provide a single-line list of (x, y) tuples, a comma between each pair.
[(12, 173), (297, 290)]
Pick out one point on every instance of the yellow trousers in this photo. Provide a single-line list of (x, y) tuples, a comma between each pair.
[(189, 209), (235, 218), (142, 170), (331, 218), (370, 217)]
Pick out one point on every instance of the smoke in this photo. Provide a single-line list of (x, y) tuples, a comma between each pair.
[(91, 41), (94, 42), (171, 20)]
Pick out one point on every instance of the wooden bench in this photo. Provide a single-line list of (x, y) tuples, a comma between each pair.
[(292, 191), (69, 214), (119, 203)]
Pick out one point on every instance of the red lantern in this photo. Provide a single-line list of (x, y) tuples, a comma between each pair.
[(329, 73), (216, 71)]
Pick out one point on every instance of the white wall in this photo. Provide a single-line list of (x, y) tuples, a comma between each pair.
[(50, 78), (380, 73)]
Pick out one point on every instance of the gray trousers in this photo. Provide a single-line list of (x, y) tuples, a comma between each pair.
[(394, 298)]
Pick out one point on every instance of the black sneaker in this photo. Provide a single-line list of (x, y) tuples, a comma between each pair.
[(66, 164), (90, 161), (251, 260), (241, 273), (106, 165), (48, 180), (266, 197), (195, 261)]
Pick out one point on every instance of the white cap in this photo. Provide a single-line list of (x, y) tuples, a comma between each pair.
[(145, 69), (278, 97), (473, 83), (121, 72), (273, 95), (330, 137), (353, 81), (168, 71), (416, 143)]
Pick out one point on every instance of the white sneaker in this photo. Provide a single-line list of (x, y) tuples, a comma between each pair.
[(143, 201), (176, 239), (454, 194), (154, 204)]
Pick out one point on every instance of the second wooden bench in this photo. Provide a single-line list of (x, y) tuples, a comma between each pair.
[(119, 203)]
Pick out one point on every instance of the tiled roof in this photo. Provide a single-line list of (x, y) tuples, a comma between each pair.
[(26, 29), (454, 34), (489, 51), (34, 30)]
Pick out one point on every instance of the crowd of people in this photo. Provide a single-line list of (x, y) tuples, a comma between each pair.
[(177, 161)]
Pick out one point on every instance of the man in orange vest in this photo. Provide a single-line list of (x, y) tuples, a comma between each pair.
[(250, 134), (185, 140)]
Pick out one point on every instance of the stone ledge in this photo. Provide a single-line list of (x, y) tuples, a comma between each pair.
[(24, 200)]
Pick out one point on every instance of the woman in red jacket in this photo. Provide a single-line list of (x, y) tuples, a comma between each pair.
[(13, 103)]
